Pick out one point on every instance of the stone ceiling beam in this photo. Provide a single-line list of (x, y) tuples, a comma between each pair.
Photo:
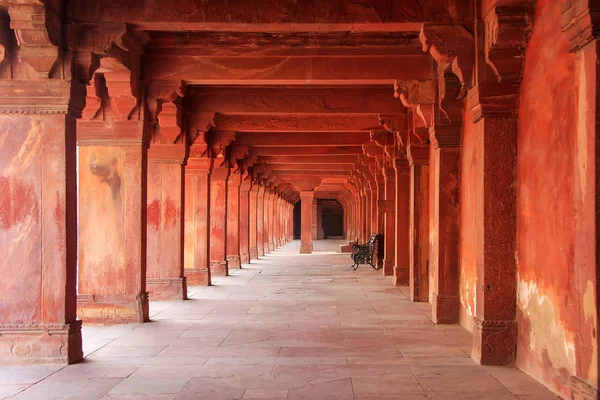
[(306, 151), (277, 100), (313, 159), (333, 70), (297, 123), (312, 167), (302, 139)]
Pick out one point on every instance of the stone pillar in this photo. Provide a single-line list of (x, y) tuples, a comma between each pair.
[(315, 220), (197, 218), (374, 211), (418, 157), (443, 227), (38, 222), (272, 216), (402, 268), (253, 222), (368, 210), (260, 224), (244, 221), (112, 255), (267, 216), (363, 216), (389, 261), (580, 22), (164, 215), (233, 221), (306, 245), (380, 218), (218, 222)]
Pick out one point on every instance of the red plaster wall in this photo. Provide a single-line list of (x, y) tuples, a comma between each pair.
[(471, 212), (546, 316)]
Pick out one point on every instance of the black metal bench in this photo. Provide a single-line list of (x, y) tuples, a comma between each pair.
[(363, 253)]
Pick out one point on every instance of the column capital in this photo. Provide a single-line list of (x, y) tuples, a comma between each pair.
[(219, 174), (401, 165), (166, 153), (499, 100), (443, 136), (580, 21), (42, 97), (418, 154)]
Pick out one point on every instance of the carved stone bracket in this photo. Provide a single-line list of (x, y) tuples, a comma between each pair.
[(418, 154), (444, 136), (581, 22)]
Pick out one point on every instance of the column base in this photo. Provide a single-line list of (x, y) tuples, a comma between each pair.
[(234, 261), (444, 309), (402, 275), (167, 288), (25, 344), (494, 342), (197, 277), (416, 297), (306, 248), (254, 254), (109, 309), (582, 390), (261, 251), (244, 257), (219, 268), (271, 246), (388, 267)]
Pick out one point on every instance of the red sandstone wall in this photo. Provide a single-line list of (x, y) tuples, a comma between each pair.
[(547, 297), (471, 234)]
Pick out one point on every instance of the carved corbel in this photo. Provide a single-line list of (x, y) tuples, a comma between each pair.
[(418, 98), (37, 30), (507, 31)]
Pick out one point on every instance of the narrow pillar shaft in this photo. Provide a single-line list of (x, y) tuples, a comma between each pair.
[(164, 277), (272, 222), (443, 227), (244, 221), (112, 222), (196, 223), (306, 245), (390, 223), (374, 212), (368, 212), (218, 222), (260, 221), (363, 217), (419, 222), (266, 222), (38, 230), (233, 221), (380, 219), (402, 269), (253, 223)]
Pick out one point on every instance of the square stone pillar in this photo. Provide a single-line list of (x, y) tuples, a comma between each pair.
[(260, 221), (368, 211), (402, 268), (271, 233), (443, 227), (164, 215), (38, 222), (494, 325), (380, 218), (267, 222), (244, 220), (218, 222), (233, 221), (306, 238), (112, 255), (197, 218), (418, 158), (253, 223), (389, 261), (373, 210)]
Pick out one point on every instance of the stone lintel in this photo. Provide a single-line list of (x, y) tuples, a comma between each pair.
[(115, 133), (41, 97), (166, 153)]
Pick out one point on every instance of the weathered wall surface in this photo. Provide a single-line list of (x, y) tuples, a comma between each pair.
[(547, 295), (471, 212)]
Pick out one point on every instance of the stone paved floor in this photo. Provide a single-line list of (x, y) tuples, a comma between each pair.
[(286, 327)]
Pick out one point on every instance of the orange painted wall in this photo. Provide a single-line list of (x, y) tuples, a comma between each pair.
[(547, 298), (471, 212)]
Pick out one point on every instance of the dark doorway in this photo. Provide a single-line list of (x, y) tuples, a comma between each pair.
[(333, 219), (297, 220)]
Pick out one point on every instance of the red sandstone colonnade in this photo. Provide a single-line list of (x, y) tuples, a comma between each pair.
[(146, 147)]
